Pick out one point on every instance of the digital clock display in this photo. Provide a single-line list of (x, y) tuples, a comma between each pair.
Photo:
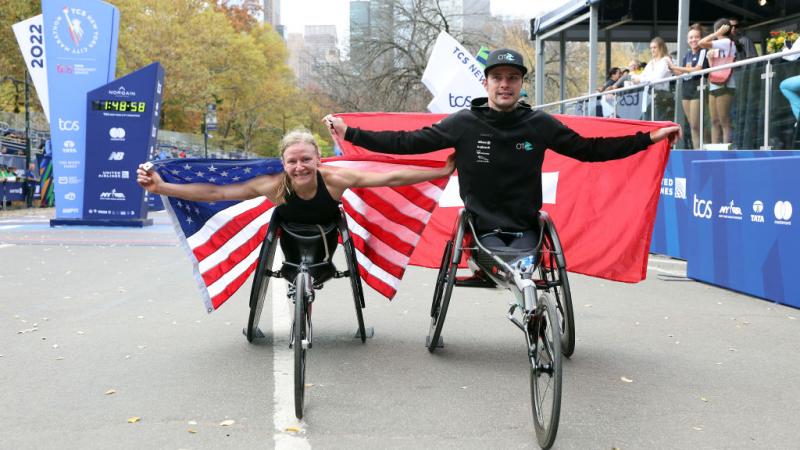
[(119, 105)]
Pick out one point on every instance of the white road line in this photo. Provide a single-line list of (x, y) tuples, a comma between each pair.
[(6, 245), (667, 261), (283, 371), (9, 227), (669, 272)]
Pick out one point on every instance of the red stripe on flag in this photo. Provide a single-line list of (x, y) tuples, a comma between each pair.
[(233, 286), (375, 257), (388, 210), (376, 283), (238, 255), (416, 197), (229, 230), (377, 232)]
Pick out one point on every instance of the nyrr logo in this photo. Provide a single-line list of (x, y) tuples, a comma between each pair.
[(68, 125), (758, 208), (116, 156), (701, 208), (783, 212), (527, 146), (730, 211), (113, 195), (70, 31)]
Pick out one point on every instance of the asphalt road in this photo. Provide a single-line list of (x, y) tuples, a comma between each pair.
[(101, 326)]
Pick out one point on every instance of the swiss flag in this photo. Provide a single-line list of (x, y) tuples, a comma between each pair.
[(604, 212)]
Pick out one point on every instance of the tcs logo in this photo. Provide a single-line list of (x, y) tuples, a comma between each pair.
[(68, 125), (701, 208), (460, 101)]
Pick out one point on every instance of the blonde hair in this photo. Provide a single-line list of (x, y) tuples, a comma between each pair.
[(296, 136), (662, 46)]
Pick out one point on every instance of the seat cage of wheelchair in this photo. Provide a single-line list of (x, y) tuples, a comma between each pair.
[(502, 266)]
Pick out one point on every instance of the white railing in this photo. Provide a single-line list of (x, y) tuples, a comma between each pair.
[(587, 103)]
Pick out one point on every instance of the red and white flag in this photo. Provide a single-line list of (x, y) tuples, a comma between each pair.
[(604, 212)]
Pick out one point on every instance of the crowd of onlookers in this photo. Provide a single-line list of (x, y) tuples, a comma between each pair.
[(724, 45)]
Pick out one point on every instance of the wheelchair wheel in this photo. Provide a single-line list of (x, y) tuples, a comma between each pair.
[(299, 334), (544, 350), (259, 289), (441, 295), (355, 285), (556, 276)]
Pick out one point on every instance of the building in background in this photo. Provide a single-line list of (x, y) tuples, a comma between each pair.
[(272, 15), (311, 50)]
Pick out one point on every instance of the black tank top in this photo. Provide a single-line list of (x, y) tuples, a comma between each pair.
[(321, 209)]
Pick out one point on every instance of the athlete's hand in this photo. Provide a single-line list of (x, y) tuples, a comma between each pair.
[(672, 133), (148, 178), (336, 125)]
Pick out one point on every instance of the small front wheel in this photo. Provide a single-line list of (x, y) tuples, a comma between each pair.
[(544, 352), (299, 336)]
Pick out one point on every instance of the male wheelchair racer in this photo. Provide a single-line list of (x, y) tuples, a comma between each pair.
[(308, 252), (542, 308)]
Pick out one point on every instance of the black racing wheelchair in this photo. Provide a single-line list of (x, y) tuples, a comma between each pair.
[(542, 308), (308, 252)]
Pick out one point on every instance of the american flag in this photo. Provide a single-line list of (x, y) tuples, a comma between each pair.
[(223, 239)]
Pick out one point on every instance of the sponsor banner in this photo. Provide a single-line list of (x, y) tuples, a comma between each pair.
[(121, 127), (453, 76), (12, 191), (743, 228), (80, 37), (30, 37), (677, 205)]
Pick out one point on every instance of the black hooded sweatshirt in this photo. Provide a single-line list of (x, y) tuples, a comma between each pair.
[(499, 157)]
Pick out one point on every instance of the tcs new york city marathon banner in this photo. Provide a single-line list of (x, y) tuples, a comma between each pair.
[(80, 38), (121, 130)]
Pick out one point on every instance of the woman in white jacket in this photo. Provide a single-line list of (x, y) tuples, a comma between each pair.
[(657, 69)]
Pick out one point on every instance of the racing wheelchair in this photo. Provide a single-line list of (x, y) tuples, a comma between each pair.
[(542, 306), (308, 252)]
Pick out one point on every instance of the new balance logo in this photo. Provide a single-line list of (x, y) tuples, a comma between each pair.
[(116, 156)]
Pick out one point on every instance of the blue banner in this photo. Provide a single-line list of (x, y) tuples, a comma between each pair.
[(81, 44), (743, 233), (671, 230), (121, 130)]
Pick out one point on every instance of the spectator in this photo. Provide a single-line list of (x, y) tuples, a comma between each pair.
[(790, 87), (694, 60), (745, 48), (655, 70), (613, 75), (720, 95)]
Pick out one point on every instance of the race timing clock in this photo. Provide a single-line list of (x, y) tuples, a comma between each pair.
[(119, 106)]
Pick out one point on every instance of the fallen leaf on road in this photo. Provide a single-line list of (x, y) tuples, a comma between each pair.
[(134, 419), (192, 431), (792, 317), (731, 349), (626, 379), (192, 422), (292, 429), (111, 391), (227, 423), (704, 399), (698, 428), (308, 385), (59, 358)]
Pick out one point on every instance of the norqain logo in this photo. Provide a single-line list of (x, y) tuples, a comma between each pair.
[(701, 208), (121, 92)]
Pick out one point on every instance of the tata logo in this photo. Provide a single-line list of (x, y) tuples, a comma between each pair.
[(68, 125), (75, 31), (69, 147), (783, 212), (680, 187), (113, 195), (758, 208), (701, 208), (460, 101), (116, 156), (117, 134), (527, 146), (121, 92), (506, 57), (70, 196)]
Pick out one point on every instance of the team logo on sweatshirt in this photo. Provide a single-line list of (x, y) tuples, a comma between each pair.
[(527, 146)]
